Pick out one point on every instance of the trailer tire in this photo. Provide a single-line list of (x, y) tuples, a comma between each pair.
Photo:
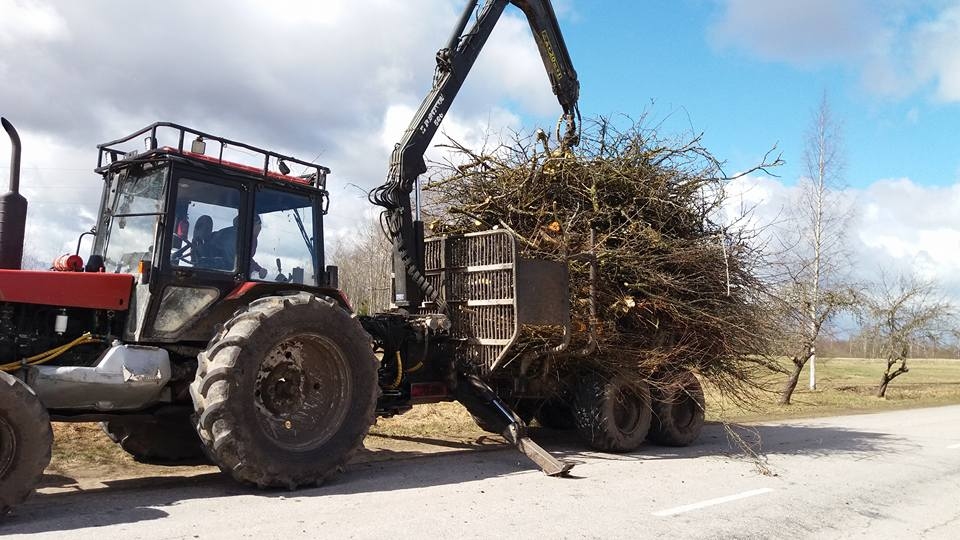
[(26, 439), (286, 391), (610, 414), (678, 412), (554, 414), (165, 440)]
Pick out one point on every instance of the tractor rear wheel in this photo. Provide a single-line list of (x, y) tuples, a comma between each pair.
[(612, 414), (678, 412), (165, 440), (286, 391), (25, 441)]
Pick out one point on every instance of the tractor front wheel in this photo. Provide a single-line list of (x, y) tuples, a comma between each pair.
[(25, 441), (285, 393)]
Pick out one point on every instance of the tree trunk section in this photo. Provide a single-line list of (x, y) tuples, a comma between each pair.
[(889, 376), (882, 389), (791, 383)]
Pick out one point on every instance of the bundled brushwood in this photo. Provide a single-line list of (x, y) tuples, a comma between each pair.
[(673, 288)]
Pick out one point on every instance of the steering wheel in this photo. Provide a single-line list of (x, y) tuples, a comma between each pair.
[(185, 251)]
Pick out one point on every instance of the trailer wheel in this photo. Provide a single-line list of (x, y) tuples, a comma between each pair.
[(678, 412), (555, 414), (286, 391), (610, 414), (165, 440), (25, 441)]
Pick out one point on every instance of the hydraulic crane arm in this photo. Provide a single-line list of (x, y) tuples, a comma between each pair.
[(454, 62)]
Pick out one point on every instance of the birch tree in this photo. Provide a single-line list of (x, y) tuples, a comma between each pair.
[(815, 288)]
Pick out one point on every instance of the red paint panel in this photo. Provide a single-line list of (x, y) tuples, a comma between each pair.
[(67, 289), (243, 289), (238, 166)]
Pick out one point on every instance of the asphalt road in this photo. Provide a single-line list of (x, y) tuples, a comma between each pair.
[(886, 475)]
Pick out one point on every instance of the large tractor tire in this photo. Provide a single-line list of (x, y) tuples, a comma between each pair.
[(165, 440), (25, 441), (286, 391), (678, 412), (611, 415)]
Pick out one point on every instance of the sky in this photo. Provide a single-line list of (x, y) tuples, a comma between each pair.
[(338, 80)]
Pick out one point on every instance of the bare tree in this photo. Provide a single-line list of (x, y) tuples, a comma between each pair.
[(364, 261), (901, 313), (815, 290)]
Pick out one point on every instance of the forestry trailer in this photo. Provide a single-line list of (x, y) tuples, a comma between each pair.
[(185, 348)]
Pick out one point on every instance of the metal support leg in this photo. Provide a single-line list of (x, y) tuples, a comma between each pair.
[(484, 403)]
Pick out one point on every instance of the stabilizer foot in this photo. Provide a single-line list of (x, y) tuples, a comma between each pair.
[(484, 403)]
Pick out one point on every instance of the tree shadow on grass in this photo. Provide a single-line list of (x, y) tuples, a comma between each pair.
[(146, 499)]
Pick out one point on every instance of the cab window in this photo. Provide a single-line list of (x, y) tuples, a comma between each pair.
[(283, 242), (205, 226)]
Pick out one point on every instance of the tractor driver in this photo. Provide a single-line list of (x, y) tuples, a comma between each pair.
[(225, 241)]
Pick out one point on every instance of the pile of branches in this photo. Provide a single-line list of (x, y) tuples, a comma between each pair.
[(673, 289)]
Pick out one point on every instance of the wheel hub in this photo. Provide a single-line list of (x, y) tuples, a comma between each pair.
[(282, 389), (301, 391)]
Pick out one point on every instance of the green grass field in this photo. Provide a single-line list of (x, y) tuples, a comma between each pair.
[(849, 385)]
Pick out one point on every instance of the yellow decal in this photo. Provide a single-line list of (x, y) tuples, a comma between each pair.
[(553, 57)]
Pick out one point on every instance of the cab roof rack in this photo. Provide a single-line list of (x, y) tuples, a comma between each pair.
[(116, 153)]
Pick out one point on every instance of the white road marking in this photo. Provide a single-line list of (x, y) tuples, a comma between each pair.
[(953, 446), (711, 502)]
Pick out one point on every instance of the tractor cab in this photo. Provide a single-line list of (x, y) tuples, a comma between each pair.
[(199, 231)]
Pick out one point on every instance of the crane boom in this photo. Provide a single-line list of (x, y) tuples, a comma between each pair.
[(407, 162)]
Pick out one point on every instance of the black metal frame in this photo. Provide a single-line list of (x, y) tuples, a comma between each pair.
[(117, 155)]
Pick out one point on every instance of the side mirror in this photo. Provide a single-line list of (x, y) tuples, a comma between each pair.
[(333, 276)]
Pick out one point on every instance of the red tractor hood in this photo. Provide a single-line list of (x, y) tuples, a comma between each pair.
[(67, 289)]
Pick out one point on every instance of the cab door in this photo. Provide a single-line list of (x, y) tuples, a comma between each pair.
[(203, 257)]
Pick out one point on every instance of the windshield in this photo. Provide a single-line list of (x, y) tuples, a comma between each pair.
[(135, 212)]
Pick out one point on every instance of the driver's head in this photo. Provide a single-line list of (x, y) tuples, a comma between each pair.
[(257, 225)]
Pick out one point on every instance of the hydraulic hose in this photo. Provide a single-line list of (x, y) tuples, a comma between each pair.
[(47, 356)]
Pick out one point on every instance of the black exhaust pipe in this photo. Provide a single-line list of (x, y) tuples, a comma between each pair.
[(13, 208)]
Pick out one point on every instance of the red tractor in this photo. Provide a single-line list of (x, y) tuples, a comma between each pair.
[(206, 326)]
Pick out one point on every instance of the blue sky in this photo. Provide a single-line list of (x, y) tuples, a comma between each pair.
[(747, 94)]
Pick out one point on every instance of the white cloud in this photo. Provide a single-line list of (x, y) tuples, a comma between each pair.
[(897, 47), (332, 78), (937, 50), (31, 21), (898, 225), (812, 31)]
